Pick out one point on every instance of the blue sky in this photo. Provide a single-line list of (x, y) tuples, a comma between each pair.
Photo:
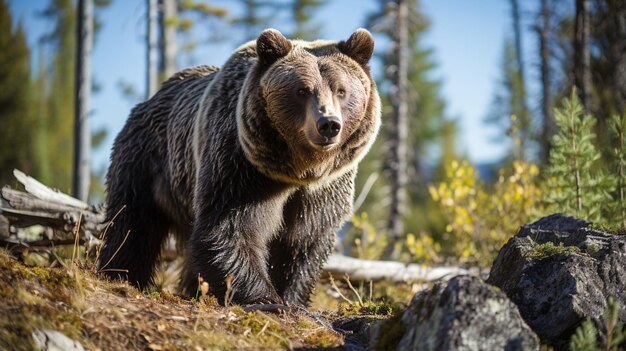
[(467, 38)]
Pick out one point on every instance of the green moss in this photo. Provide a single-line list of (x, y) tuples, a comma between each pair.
[(548, 249), (154, 295), (59, 284), (367, 308)]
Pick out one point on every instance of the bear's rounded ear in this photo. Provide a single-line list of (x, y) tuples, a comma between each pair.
[(271, 45), (360, 46)]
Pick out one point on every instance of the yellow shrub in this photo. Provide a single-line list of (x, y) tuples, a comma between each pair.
[(368, 244), (481, 219), (424, 248)]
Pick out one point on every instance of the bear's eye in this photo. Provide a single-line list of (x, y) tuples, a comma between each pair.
[(304, 92), (341, 92)]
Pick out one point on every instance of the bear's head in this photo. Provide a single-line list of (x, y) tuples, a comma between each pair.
[(309, 109)]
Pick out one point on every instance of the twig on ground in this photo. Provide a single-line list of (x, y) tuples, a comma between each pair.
[(115, 253), (358, 296), (332, 283)]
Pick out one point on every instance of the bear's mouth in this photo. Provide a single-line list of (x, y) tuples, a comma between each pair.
[(325, 145)]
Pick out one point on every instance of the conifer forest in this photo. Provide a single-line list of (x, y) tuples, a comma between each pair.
[(488, 214)]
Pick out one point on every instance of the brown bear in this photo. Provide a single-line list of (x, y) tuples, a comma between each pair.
[(252, 165)]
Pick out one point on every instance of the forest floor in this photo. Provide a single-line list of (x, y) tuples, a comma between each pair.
[(103, 315)]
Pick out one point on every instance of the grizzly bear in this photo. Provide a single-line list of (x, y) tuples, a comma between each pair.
[(251, 165)]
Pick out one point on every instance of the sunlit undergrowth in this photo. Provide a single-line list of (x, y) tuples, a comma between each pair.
[(582, 178), (106, 315), (363, 298), (481, 218)]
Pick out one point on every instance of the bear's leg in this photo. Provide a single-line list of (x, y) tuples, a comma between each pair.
[(138, 228), (232, 240), (311, 219)]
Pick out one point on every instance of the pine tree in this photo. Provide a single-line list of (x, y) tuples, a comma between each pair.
[(426, 125), (256, 17), (56, 84), (60, 85), (544, 33), (178, 21), (43, 169), (168, 44), (303, 11), (16, 117), (574, 185), (582, 56), (82, 133), (508, 108), (590, 52), (152, 74), (608, 64), (523, 116)]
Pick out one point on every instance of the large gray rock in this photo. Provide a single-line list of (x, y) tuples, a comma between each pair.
[(556, 288), (463, 314)]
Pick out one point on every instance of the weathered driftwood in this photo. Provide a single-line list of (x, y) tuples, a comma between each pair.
[(357, 269), (43, 206)]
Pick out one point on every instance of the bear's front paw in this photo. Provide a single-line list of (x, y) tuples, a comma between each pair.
[(272, 307), (272, 298), (266, 296)]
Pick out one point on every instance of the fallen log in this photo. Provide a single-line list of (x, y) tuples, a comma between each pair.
[(40, 205), (357, 269)]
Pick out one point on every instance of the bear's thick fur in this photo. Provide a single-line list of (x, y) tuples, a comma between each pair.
[(252, 165)]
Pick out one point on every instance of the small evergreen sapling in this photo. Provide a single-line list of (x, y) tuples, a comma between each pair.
[(614, 335), (575, 184)]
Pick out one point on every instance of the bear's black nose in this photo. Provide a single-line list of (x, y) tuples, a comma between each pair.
[(328, 127)]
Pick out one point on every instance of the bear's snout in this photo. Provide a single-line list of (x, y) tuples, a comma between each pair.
[(328, 127)]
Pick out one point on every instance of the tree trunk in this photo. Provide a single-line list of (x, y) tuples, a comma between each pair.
[(582, 57), (618, 46), (151, 54), (517, 30), (168, 44), (549, 126), (398, 137), (524, 118), (82, 134)]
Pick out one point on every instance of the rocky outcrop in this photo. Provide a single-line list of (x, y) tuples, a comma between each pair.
[(461, 314), (560, 271)]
